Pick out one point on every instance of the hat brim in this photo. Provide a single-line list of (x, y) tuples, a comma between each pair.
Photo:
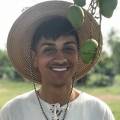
[(22, 31)]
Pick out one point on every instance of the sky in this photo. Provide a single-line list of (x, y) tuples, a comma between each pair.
[(11, 9)]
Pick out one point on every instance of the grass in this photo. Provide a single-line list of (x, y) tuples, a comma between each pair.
[(113, 90), (10, 89), (115, 106), (111, 95)]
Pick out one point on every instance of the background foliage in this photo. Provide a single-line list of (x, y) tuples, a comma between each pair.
[(105, 73), (102, 81)]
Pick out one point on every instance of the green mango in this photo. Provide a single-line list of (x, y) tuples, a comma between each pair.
[(76, 16), (88, 50), (80, 2), (107, 7)]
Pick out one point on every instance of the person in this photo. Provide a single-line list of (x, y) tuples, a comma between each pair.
[(44, 48)]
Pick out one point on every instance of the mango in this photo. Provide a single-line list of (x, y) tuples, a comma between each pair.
[(107, 7), (88, 50), (80, 2), (76, 16)]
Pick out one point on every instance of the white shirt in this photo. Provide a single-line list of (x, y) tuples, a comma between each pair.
[(84, 107)]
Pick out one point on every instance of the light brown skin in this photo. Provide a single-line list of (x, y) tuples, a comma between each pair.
[(61, 54)]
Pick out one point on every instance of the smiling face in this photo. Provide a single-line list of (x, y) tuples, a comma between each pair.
[(56, 60), (55, 43)]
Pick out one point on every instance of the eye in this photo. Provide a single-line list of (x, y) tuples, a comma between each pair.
[(49, 50)]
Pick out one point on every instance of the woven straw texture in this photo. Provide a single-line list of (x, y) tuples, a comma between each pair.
[(21, 33)]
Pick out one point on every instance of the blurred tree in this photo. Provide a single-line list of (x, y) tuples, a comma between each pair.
[(6, 68), (108, 67), (114, 42), (105, 65), (4, 59)]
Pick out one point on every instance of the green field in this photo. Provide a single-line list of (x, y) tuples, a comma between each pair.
[(111, 95)]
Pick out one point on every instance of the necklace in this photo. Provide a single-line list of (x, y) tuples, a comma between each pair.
[(44, 111), (41, 107)]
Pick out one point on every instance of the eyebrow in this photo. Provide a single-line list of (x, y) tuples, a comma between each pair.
[(71, 42), (52, 44), (48, 44)]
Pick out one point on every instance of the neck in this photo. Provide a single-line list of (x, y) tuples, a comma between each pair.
[(60, 95)]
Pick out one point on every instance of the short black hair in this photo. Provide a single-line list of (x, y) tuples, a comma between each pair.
[(53, 28)]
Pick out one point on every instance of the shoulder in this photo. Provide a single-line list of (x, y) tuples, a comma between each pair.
[(98, 106), (94, 107), (90, 100), (17, 104), (18, 100)]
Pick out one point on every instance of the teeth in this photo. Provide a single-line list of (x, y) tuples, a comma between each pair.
[(59, 69)]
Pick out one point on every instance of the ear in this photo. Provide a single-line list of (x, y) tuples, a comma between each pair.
[(35, 60)]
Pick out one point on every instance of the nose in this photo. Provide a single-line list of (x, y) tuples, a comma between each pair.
[(60, 58), (60, 61)]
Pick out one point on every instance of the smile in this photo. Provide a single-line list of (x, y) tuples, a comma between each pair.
[(59, 69)]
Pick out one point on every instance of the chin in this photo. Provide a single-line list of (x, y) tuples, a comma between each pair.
[(59, 85), (62, 82)]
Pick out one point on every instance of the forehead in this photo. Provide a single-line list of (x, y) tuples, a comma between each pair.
[(60, 41)]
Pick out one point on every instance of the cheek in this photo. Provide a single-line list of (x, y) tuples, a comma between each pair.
[(75, 60), (74, 57), (42, 63)]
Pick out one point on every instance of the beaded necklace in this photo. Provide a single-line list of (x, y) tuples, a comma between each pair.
[(41, 106)]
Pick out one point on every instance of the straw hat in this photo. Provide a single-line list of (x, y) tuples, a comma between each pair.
[(21, 34)]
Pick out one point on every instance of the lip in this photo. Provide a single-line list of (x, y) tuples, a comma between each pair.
[(59, 69)]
